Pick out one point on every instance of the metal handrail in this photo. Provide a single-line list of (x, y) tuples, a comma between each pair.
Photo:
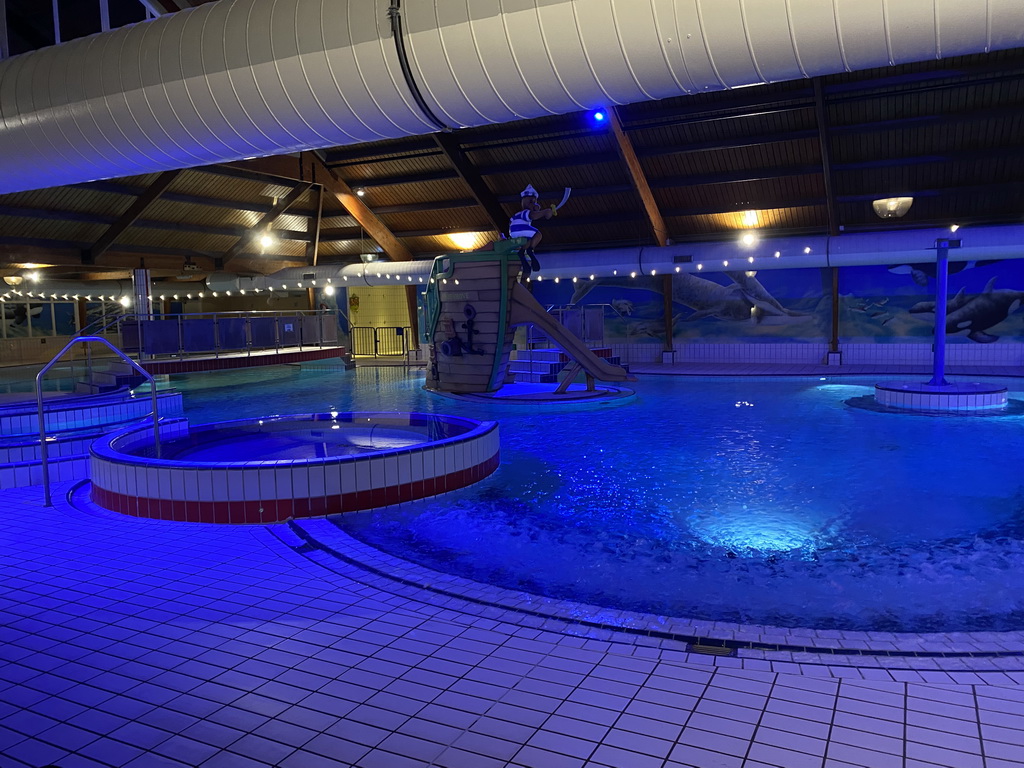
[(42, 417)]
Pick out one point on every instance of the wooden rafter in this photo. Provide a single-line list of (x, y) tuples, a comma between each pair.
[(449, 145), (268, 219), (640, 183), (377, 230), (130, 216)]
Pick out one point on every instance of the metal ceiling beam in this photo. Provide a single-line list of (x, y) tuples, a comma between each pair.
[(134, 212), (967, 189), (337, 234), (751, 205), (825, 149), (965, 156), (5, 46), (916, 81), (45, 243), (449, 145), (639, 179), (313, 247), (736, 177), (95, 218), (409, 178), (439, 205), (118, 188), (266, 222), (414, 146), (977, 115), (730, 143)]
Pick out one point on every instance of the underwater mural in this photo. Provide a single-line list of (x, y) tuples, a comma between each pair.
[(897, 303), (766, 306)]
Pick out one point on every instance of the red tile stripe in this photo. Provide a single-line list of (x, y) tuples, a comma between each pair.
[(280, 510)]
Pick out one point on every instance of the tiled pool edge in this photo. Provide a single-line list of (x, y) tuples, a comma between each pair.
[(969, 652), (262, 492)]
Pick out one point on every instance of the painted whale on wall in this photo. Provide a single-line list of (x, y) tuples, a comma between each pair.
[(705, 297), (920, 273), (976, 314)]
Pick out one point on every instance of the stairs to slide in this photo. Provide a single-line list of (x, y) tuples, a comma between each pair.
[(544, 365)]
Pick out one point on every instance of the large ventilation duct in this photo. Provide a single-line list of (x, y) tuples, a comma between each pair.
[(243, 78)]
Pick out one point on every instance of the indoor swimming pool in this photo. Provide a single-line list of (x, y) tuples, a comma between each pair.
[(751, 500)]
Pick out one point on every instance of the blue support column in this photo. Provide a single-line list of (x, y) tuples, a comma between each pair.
[(941, 291)]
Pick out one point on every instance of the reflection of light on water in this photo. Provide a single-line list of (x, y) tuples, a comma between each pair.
[(843, 390), (748, 530)]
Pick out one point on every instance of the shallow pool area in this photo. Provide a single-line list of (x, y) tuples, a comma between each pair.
[(753, 500)]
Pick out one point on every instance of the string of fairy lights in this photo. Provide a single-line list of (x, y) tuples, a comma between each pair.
[(746, 240)]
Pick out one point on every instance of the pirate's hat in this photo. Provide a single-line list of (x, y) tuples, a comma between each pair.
[(529, 191)]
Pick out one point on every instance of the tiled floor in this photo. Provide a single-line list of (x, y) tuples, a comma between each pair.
[(129, 642)]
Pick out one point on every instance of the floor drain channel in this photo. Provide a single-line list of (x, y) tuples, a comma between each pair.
[(711, 650)]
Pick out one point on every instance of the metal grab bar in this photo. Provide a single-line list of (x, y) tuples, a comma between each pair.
[(39, 401)]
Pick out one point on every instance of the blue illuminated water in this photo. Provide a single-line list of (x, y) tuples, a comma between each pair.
[(766, 501)]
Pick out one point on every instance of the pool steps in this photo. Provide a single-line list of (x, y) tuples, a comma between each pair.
[(117, 376), (72, 423), (543, 366)]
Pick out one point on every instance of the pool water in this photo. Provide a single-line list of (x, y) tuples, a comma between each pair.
[(291, 440), (752, 500)]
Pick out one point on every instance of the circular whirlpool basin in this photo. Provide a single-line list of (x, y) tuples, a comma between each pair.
[(276, 468)]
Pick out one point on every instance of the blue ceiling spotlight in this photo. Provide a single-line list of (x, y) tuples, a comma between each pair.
[(599, 115)]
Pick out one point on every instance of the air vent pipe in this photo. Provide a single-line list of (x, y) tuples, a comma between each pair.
[(238, 79)]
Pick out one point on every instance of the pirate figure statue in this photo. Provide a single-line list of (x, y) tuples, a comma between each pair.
[(521, 225)]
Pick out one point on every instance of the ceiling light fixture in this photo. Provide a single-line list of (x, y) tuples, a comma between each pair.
[(892, 207)]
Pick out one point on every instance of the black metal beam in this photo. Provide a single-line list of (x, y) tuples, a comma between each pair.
[(313, 247), (547, 163), (268, 219), (735, 177), (439, 205), (825, 150), (118, 188), (448, 143), (914, 81), (173, 226), (130, 216), (409, 178), (81, 246), (417, 146), (353, 233), (751, 205), (235, 172), (965, 156), (977, 115), (731, 143)]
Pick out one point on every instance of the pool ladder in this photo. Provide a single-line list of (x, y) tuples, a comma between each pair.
[(39, 400)]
